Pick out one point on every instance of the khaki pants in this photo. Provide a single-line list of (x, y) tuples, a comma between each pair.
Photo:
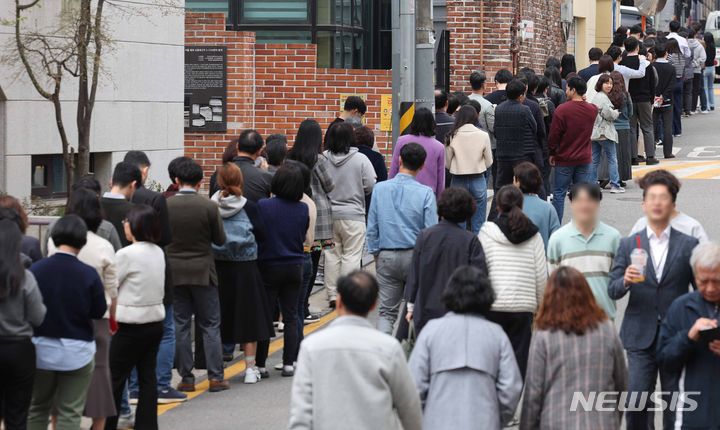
[(68, 390), (346, 256)]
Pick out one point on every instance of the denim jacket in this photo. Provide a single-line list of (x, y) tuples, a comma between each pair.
[(241, 244)]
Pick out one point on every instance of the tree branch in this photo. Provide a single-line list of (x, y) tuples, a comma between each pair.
[(21, 49)]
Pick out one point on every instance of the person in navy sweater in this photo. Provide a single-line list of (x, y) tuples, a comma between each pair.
[(281, 256), (65, 343)]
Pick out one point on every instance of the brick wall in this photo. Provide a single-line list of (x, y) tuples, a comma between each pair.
[(480, 36), (272, 88)]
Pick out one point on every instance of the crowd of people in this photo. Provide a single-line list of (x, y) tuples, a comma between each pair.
[(486, 307)]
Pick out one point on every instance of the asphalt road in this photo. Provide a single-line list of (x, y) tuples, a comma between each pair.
[(266, 404)]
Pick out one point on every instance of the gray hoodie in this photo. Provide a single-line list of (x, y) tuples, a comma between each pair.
[(699, 55), (354, 177)]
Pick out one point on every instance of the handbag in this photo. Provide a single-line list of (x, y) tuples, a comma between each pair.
[(409, 343)]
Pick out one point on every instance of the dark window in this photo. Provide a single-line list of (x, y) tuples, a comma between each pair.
[(47, 175), (348, 33)]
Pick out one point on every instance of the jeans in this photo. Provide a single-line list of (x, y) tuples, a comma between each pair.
[(204, 303), (17, 372), (282, 283), (643, 368), (664, 116), (392, 268), (66, 391), (610, 149), (677, 106), (346, 256), (136, 345), (709, 78), (564, 177), (477, 186), (165, 356)]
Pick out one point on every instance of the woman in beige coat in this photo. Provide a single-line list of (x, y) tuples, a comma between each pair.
[(468, 156)]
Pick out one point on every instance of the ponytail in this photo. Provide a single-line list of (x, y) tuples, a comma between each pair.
[(509, 201), (230, 180)]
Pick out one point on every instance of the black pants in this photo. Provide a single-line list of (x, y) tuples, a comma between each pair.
[(518, 328), (17, 373), (664, 116), (283, 285), (311, 282), (696, 90), (687, 95), (136, 346), (504, 176)]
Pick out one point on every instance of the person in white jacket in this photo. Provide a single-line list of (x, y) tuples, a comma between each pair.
[(140, 313), (515, 257)]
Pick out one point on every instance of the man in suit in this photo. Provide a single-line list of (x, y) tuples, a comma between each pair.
[(195, 224), (667, 276), (166, 353)]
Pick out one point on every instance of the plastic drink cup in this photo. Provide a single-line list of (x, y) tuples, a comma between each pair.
[(638, 259)]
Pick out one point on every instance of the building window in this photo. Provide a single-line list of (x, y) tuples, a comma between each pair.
[(48, 175), (351, 34)]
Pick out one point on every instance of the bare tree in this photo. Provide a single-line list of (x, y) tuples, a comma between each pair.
[(74, 49)]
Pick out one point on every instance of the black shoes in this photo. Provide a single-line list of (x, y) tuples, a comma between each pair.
[(652, 161)]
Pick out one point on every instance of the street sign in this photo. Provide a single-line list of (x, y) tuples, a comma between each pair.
[(386, 112)]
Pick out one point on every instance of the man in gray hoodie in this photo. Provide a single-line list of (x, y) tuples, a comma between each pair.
[(354, 178)]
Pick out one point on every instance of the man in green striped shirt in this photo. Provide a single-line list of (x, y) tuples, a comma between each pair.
[(586, 243)]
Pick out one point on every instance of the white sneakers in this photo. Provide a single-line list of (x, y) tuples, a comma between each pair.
[(252, 375), (617, 190)]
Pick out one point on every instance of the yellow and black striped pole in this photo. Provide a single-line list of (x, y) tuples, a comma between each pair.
[(407, 111)]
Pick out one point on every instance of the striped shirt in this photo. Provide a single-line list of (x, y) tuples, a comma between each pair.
[(593, 256)]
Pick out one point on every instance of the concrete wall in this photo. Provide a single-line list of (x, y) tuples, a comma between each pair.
[(139, 104), (593, 27)]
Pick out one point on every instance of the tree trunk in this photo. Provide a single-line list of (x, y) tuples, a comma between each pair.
[(67, 153)]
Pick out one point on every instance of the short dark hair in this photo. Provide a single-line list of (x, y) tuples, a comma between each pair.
[(631, 44), (683, 32), (276, 149), (660, 50), (84, 203), (515, 89), (413, 156), (532, 82), (674, 26), (456, 205), (69, 230), (358, 291), (288, 182), (543, 84), (173, 165), (441, 99), (461, 97), (453, 104), (249, 142), (691, 33), (636, 29), (423, 123), (592, 190), (87, 182), (306, 174), (125, 174), (503, 76), (594, 54), (475, 105), (529, 177), (618, 40), (469, 291), (340, 137), (552, 61), (144, 223), (578, 84), (477, 80), (355, 102), (606, 64), (614, 52), (138, 158), (188, 172), (364, 136), (661, 177)]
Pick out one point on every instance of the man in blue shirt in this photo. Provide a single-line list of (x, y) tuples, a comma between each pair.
[(400, 209)]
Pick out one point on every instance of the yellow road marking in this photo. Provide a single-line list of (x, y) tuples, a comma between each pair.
[(239, 367), (707, 174), (637, 173)]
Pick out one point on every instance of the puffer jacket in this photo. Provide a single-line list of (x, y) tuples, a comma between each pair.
[(604, 127), (516, 264)]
